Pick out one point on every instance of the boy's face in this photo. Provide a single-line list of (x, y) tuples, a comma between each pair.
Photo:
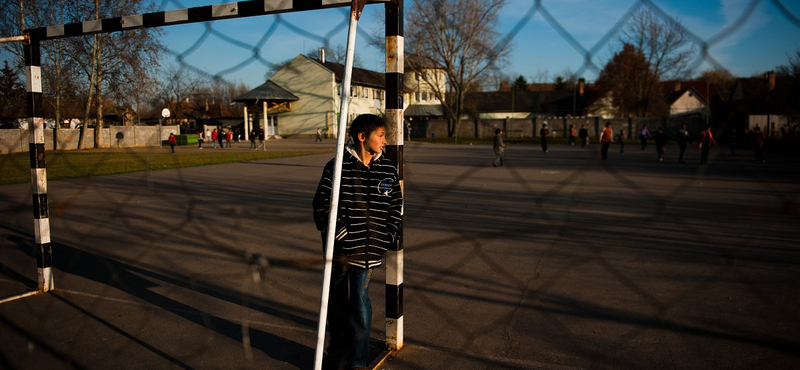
[(375, 142)]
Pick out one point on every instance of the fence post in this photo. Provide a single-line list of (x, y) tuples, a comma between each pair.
[(41, 213), (394, 148)]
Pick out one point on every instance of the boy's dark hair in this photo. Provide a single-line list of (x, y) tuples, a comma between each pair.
[(497, 131), (365, 123)]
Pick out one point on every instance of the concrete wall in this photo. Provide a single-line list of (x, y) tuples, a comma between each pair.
[(16, 140)]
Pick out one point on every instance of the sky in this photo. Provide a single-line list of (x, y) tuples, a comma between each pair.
[(746, 37)]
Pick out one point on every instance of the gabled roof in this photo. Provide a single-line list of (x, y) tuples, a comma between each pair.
[(675, 89), (360, 76), (269, 91)]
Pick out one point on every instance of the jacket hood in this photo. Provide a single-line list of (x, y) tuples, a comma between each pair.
[(351, 148)]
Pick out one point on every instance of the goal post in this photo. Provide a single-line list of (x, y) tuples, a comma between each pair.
[(32, 39)]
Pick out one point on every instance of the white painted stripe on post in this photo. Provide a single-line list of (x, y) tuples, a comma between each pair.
[(177, 15), (41, 230), (224, 10), (93, 26), (394, 119), (55, 31), (40, 174), (394, 54), (394, 267), (271, 6), (46, 279), (132, 21), (36, 130), (394, 333), (33, 79)]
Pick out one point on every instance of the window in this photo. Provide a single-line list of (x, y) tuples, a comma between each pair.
[(424, 96), (364, 92), (416, 96), (353, 91)]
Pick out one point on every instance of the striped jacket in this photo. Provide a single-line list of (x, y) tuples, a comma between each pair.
[(370, 203)]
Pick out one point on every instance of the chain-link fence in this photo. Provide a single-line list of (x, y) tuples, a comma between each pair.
[(558, 259)]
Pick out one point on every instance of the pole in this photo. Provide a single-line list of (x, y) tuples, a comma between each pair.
[(337, 179), (394, 148), (41, 213)]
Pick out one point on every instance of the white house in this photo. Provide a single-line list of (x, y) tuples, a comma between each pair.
[(317, 84)]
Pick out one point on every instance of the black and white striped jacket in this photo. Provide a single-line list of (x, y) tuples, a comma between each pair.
[(370, 203)]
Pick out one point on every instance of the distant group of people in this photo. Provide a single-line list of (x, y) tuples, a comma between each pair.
[(661, 138), (219, 139)]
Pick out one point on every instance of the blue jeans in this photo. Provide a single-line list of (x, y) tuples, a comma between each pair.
[(349, 315)]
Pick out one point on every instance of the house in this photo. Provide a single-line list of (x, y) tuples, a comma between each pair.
[(317, 85), (688, 97), (760, 101), (423, 79)]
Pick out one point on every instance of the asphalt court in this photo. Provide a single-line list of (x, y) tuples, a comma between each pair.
[(557, 260)]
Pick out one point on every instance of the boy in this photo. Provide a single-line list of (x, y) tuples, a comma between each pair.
[(605, 140), (499, 148), (661, 141), (368, 223), (706, 142)]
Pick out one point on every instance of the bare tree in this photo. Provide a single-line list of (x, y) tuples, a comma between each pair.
[(666, 50), (664, 43), (178, 84), (459, 37), (57, 69), (112, 58)]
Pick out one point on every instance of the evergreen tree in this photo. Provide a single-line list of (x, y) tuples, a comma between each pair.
[(12, 94)]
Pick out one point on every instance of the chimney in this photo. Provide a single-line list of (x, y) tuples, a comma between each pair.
[(771, 77), (581, 86), (322, 55), (504, 86), (677, 86)]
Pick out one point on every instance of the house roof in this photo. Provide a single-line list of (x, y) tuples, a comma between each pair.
[(424, 110), (549, 102), (675, 89), (360, 76), (267, 91)]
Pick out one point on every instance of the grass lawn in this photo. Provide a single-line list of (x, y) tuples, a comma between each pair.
[(15, 167)]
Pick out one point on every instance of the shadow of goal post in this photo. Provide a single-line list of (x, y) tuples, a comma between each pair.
[(394, 114)]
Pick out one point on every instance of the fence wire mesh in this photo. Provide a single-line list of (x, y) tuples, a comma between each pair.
[(556, 260)]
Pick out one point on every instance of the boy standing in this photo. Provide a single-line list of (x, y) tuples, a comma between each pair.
[(683, 140), (605, 140), (499, 148), (706, 143), (544, 133), (584, 135), (368, 223), (661, 141)]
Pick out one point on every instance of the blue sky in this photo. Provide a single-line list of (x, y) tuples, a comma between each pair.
[(746, 37)]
